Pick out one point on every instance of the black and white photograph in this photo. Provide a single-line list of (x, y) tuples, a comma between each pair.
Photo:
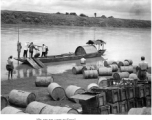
[(78, 57)]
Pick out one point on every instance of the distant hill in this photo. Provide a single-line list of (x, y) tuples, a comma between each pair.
[(21, 17)]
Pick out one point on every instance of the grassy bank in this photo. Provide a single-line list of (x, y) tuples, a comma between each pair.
[(35, 18)]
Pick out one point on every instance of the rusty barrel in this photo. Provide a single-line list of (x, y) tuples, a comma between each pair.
[(102, 82), (21, 98), (140, 111), (11, 110), (88, 74), (126, 63), (91, 86), (77, 70), (43, 81), (88, 67), (72, 90), (129, 69), (56, 91), (129, 61), (105, 71), (133, 76), (58, 110), (35, 107), (107, 63), (120, 75), (114, 67), (4, 102)]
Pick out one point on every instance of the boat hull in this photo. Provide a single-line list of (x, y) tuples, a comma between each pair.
[(64, 57)]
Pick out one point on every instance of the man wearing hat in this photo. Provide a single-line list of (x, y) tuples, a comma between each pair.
[(143, 67)]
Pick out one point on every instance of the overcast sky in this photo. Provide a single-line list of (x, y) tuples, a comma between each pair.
[(132, 9)]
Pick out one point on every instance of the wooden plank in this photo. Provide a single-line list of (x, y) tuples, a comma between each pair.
[(39, 62), (82, 97), (33, 63)]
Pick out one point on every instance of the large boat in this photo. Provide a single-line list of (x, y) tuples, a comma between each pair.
[(91, 50)]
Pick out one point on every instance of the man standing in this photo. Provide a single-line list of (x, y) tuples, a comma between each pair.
[(19, 47), (43, 50), (31, 47), (25, 50), (143, 67)]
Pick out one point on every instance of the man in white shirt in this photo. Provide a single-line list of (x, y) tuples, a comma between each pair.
[(25, 50), (43, 50), (143, 67)]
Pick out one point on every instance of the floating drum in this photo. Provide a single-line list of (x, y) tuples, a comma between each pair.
[(127, 69), (77, 70), (120, 75), (108, 63), (104, 71), (58, 110), (90, 74), (133, 76), (102, 82), (125, 63), (114, 67), (140, 111), (21, 98), (43, 81), (73, 90), (11, 110), (4, 102), (56, 91), (130, 61), (35, 107), (91, 86)]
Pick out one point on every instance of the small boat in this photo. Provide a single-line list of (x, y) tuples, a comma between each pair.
[(91, 50)]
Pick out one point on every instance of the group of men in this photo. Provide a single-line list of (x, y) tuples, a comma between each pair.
[(31, 47)]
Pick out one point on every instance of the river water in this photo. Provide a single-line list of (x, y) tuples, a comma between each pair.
[(121, 43)]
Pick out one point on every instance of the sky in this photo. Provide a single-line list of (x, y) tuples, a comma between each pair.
[(128, 9)]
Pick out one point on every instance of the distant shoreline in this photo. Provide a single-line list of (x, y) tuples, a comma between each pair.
[(60, 19)]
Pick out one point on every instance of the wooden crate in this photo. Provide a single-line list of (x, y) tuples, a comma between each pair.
[(147, 101), (123, 93), (130, 92), (90, 110), (112, 94), (123, 107), (140, 91), (139, 102), (147, 89), (114, 108), (105, 109), (131, 103), (99, 99)]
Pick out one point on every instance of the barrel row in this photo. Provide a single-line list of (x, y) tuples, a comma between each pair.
[(39, 108)]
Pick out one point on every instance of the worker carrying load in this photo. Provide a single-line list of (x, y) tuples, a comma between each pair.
[(142, 69)]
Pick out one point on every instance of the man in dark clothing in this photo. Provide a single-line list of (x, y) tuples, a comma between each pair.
[(31, 47), (143, 67)]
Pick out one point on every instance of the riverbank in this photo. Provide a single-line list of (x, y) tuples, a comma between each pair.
[(35, 18), (64, 79)]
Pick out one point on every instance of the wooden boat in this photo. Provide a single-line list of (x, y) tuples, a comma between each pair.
[(87, 51)]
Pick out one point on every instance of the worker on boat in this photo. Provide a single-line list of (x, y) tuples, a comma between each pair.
[(25, 49), (37, 52), (19, 47), (142, 69), (46, 51), (31, 48), (43, 50), (10, 67)]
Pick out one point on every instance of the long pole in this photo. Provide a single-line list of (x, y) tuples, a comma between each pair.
[(18, 44), (94, 33)]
